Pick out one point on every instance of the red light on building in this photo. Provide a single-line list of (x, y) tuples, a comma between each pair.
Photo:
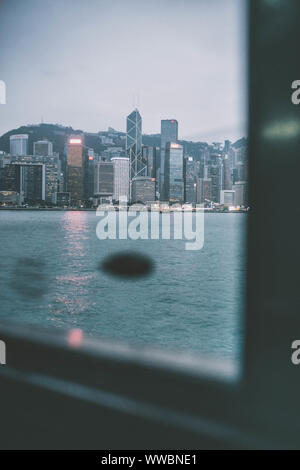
[(91, 158)]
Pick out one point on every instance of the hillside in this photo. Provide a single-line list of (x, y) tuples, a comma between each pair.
[(58, 135)]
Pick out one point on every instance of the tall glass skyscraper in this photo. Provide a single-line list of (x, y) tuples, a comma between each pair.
[(19, 144), (169, 133), (174, 181), (26, 179), (121, 178), (75, 159), (134, 145), (104, 179)]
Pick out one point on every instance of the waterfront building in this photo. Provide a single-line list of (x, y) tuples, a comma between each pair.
[(104, 179), (241, 193), (190, 180), (227, 197), (174, 177), (203, 190), (61, 199), (121, 178), (143, 189), (26, 179), (52, 170), (75, 169), (213, 171), (169, 133), (10, 198)]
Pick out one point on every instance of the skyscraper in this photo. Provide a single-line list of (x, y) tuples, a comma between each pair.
[(43, 148), (241, 193), (19, 144), (89, 172), (174, 179), (143, 189), (121, 178), (150, 157), (134, 145), (227, 183), (214, 170), (52, 170), (26, 179), (75, 179), (169, 133), (104, 179), (190, 180), (203, 190)]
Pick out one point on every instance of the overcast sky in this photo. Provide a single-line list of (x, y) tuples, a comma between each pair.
[(80, 63)]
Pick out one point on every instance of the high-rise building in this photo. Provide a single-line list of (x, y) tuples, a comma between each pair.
[(214, 171), (33, 182), (89, 174), (10, 178), (241, 193), (138, 167), (75, 164), (190, 180), (19, 144), (169, 133), (121, 178), (143, 189), (227, 183), (174, 177), (104, 179), (52, 170), (43, 148), (204, 186), (26, 179), (150, 157)]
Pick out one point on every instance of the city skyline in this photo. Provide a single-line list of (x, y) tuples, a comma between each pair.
[(209, 174), (89, 82)]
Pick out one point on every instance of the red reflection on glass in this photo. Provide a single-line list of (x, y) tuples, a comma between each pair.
[(75, 337)]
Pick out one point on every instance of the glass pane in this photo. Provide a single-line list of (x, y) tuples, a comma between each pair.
[(158, 91)]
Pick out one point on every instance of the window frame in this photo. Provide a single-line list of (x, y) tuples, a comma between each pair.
[(160, 401)]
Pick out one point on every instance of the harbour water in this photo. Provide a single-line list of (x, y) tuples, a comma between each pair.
[(193, 301)]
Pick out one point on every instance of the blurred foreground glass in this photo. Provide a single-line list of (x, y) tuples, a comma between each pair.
[(55, 271)]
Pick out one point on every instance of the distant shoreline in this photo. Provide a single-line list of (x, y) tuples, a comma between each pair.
[(58, 209)]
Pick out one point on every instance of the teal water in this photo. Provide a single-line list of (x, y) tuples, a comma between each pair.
[(193, 301)]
